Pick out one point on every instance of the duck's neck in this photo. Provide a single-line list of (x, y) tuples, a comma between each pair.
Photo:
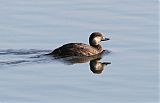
[(98, 47)]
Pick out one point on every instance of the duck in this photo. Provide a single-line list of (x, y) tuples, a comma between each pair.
[(81, 49)]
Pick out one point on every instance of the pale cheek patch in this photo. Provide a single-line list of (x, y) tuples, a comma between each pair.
[(98, 66), (96, 40)]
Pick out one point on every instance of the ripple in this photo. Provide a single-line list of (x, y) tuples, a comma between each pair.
[(16, 57), (22, 51)]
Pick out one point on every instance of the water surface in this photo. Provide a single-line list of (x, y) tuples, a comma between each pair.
[(32, 28)]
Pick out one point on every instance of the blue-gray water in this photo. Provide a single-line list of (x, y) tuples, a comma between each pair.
[(31, 28)]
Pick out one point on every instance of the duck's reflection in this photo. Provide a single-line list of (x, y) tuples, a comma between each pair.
[(96, 66), (94, 62)]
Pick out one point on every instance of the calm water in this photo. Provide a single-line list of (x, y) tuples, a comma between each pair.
[(31, 28)]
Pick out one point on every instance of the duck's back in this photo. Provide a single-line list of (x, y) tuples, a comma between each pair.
[(75, 49)]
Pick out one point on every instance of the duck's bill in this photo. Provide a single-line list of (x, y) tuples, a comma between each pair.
[(105, 39), (106, 63)]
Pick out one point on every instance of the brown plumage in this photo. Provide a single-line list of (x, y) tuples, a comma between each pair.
[(80, 49)]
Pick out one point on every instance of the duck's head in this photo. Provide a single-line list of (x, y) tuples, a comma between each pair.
[(95, 38)]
